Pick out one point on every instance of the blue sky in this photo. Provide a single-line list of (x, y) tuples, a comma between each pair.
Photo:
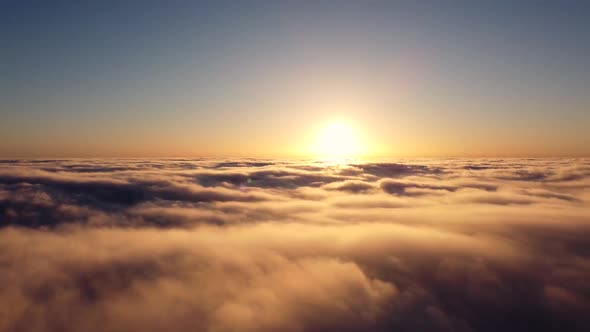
[(165, 78)]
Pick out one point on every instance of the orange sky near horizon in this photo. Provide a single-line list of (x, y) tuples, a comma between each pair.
[(242, 80)]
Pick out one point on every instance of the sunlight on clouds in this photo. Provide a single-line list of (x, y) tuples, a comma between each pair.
[(294, 245)]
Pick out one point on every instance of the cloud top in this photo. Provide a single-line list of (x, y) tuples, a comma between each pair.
[(268, 245)]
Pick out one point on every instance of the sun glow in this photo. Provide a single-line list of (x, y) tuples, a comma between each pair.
[(337, 140)]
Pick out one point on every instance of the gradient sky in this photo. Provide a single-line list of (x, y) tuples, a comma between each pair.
[(257, 78)]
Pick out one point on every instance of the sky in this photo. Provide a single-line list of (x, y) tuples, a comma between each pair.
[(262, 78)]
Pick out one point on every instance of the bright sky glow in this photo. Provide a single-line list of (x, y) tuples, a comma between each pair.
[(257, 79), (337, 139)]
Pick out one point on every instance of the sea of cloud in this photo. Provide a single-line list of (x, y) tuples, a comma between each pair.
[(284, 245)]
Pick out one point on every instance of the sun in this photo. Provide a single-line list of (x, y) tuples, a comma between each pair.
[(336, 140)]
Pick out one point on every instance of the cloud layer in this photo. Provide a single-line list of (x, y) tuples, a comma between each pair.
[(279, 245)]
